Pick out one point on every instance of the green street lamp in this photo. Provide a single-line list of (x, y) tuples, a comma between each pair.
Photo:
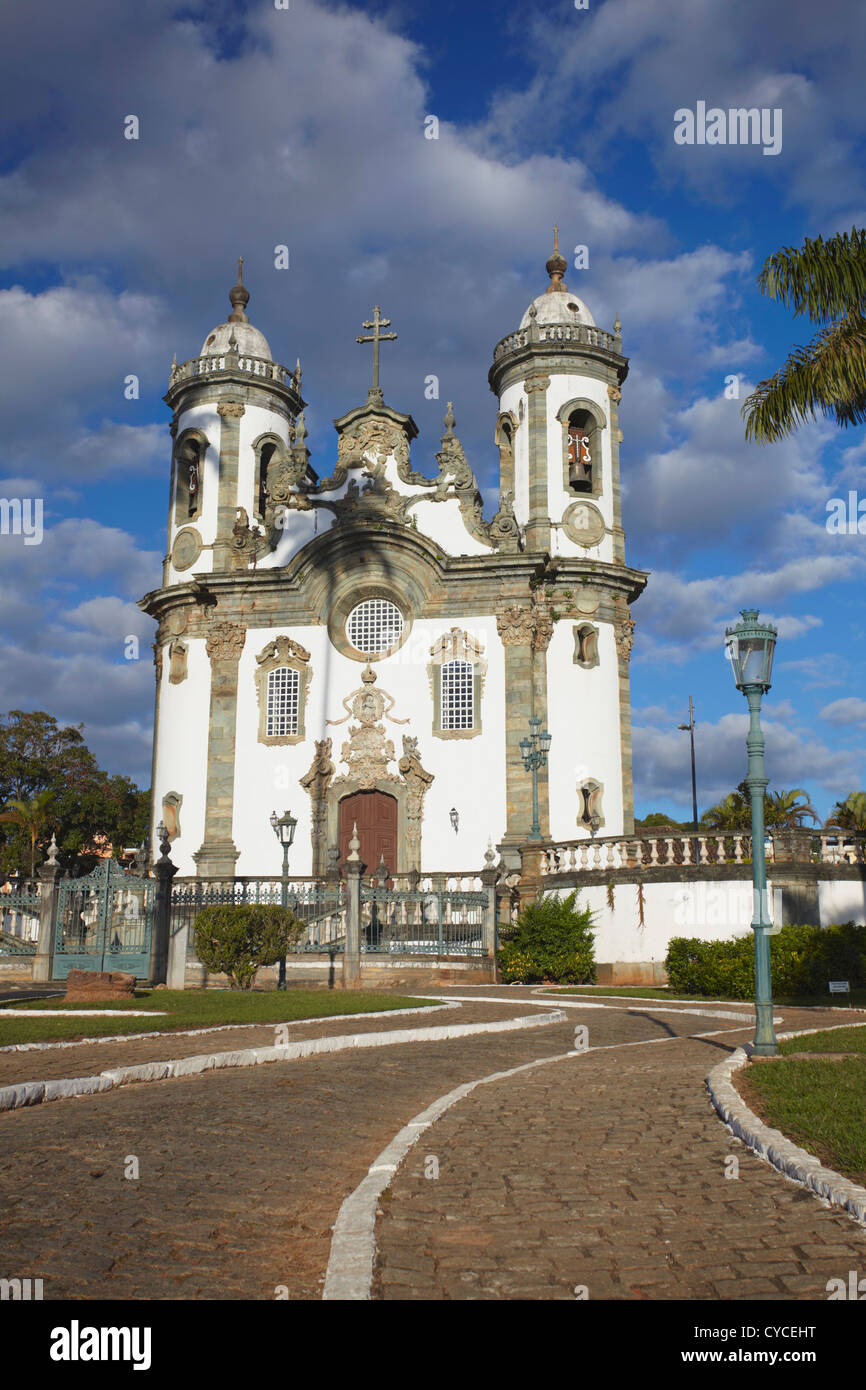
[(284, 829), (749, 647), (535, 749)]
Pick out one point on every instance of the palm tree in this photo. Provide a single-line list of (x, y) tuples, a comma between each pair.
[(31, 817), (731, 813), (826, 280), (849, 814), (785, 811)]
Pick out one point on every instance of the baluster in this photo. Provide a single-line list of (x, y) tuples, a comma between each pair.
[(669, 857), (705, 853), (720, 849), (638, 852), (597, 857), (738, 849), (687, 851), (654, 856)]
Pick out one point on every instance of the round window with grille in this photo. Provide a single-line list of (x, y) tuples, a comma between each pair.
[(374, 626)]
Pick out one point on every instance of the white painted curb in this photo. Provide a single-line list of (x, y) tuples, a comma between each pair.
[(217, 1027), (772, 1146), (34, 1092)]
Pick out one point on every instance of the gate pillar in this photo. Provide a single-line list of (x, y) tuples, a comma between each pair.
[(159, 944), (43, 961)]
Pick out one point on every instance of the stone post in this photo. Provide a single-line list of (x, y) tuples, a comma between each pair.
[(353, 868), (49, 876), (218, 854), (489, 877), (164, 871)]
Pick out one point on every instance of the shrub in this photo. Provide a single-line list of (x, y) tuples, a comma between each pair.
[(552, 940), (803, 960), (236, 939)]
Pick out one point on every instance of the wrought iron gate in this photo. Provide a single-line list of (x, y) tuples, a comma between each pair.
[(104, 922)]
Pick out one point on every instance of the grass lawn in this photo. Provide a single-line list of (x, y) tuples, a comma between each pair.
[(193, 1009), (820, 1105)]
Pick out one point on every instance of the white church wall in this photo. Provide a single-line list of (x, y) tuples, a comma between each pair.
[(585, 738), (181, 761), (469, 773), (842, 900)]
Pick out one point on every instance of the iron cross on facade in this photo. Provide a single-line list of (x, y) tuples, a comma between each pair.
[(376, 338)]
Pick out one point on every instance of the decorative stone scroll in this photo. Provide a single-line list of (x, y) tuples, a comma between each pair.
[(519, 625), (225, 641), (624, 633)]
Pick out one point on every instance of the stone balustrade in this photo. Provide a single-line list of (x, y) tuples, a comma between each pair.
[(643, 851), (561, 334), (213, 365)]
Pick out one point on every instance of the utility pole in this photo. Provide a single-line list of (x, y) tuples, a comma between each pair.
[(691, 731)]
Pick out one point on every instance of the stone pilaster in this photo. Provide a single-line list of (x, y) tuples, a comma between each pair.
[(615, 396), (525, 630), (218, 855), (624, 635), (538, 525), (231, 413)]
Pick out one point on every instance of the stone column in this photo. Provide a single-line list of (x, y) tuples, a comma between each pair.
[(218, 854), (489, 876), (624, 635), (354, 869), (164, 871), (49, 876), (231, 413), (538, 525), (615, 396), (525, 631)]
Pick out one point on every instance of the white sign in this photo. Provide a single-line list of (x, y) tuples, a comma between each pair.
[(840, 987)]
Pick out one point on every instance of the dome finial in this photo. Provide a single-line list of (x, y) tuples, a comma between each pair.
[(556, 267), (239, 296)]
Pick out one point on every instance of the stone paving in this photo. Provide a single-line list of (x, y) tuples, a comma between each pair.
[(604, 1170), (603, 1176)]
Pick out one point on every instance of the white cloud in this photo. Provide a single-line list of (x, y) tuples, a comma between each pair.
[(851, 710)]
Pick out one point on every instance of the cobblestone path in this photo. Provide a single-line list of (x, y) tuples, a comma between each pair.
[(606, 1172), (575, 1173)]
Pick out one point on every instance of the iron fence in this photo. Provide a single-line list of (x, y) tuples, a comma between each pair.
[(319, 905), (435, 922)]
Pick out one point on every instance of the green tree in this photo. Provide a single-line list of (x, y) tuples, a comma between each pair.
[(849, 814), (31, 818), (235, 940), (826, 281), (658, 818), (89, 806), (787, 810)]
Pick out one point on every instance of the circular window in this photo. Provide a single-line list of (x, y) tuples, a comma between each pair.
[(374, 626)]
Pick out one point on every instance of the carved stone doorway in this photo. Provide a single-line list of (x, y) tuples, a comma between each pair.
[(376, 816)]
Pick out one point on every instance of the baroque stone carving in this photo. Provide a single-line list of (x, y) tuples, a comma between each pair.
[(225, 641), (248, 542), (624, 634), (282, 651), (186, 548), (157, 661), (367, 752), (316, 782), (417, 780), (231, 410), (518, 625), (177, 662)]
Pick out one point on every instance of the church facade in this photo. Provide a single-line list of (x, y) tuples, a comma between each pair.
[(363, 647)]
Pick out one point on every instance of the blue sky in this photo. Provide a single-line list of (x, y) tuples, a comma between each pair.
[(305, 127)]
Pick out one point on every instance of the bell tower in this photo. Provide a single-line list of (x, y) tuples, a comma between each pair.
[(236, 416), (558, 380)]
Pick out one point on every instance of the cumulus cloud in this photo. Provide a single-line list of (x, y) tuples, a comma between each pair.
[(851, 710)]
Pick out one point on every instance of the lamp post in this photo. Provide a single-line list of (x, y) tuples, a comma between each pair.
[(535, 749), (284, 829), (749, 647)]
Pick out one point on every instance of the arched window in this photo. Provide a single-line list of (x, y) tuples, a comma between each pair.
[(283, 678), (580, 431), (456, 671), (189, 470), (374, 626), (458, 695), (265, 456), (284, 686)]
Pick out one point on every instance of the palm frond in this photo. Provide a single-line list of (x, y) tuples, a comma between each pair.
[(828, 376), (824, 279)]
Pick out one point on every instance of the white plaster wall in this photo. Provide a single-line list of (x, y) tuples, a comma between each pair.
[(469, 773), (583, 719), (181, 753), (842, 900), (710, 911), (255, 421), (510, 400)]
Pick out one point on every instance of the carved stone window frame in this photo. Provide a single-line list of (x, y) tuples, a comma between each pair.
[(504, 438), (279, 653), (586, 646), (182, 514), (457, 645), (599, 419), (591, 797)]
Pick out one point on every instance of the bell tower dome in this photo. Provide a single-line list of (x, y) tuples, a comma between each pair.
[(558, 380)]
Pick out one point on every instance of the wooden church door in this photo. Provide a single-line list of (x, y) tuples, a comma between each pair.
[(376, 817)]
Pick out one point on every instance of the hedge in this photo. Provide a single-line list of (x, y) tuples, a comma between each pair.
[(803, 960)]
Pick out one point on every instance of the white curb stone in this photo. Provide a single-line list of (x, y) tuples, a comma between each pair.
[(32, 1092), (772, 1146)]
